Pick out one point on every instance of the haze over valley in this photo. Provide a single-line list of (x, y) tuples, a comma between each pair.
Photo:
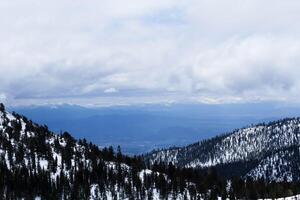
[(142, 128)]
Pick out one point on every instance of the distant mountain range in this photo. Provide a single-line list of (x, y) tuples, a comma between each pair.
[(270, 151), (141, 128)]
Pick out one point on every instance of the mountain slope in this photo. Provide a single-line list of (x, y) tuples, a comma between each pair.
[(259, 144), (282, 165), (36, 163)]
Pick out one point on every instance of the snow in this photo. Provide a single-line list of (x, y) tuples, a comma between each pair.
[(251, 143), (94, 190), (297, 197), (143, 172), (44, 164), (10, 116), (242, 144)]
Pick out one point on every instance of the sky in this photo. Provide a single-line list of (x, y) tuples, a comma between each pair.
[(108, 52)]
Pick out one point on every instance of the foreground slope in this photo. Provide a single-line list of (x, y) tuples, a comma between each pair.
[(36, 163), (269, 151)]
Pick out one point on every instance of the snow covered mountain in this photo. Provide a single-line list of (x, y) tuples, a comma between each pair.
[(269, 151), (38, 164)]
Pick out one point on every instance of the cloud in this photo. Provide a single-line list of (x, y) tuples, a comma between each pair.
[(208, 51), (3, 98), (257, 63), (110, 90)]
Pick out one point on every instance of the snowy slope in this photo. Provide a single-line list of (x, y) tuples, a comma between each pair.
[(255, 143), (296, 197), (282, 165), (69, 168), (32, 149)]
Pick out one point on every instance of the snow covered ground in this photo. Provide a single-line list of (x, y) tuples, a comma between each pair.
[(297, 197)]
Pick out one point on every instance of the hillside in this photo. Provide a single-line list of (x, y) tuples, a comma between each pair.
[(36, 163), (269, 151)]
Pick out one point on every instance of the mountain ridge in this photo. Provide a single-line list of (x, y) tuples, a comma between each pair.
[(255, 142)]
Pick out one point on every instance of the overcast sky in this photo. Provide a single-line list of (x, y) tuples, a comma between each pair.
[(102, 52)]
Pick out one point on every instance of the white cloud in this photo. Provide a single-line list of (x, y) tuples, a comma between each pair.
[(110, 90), (3, 98), (198, 50)]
